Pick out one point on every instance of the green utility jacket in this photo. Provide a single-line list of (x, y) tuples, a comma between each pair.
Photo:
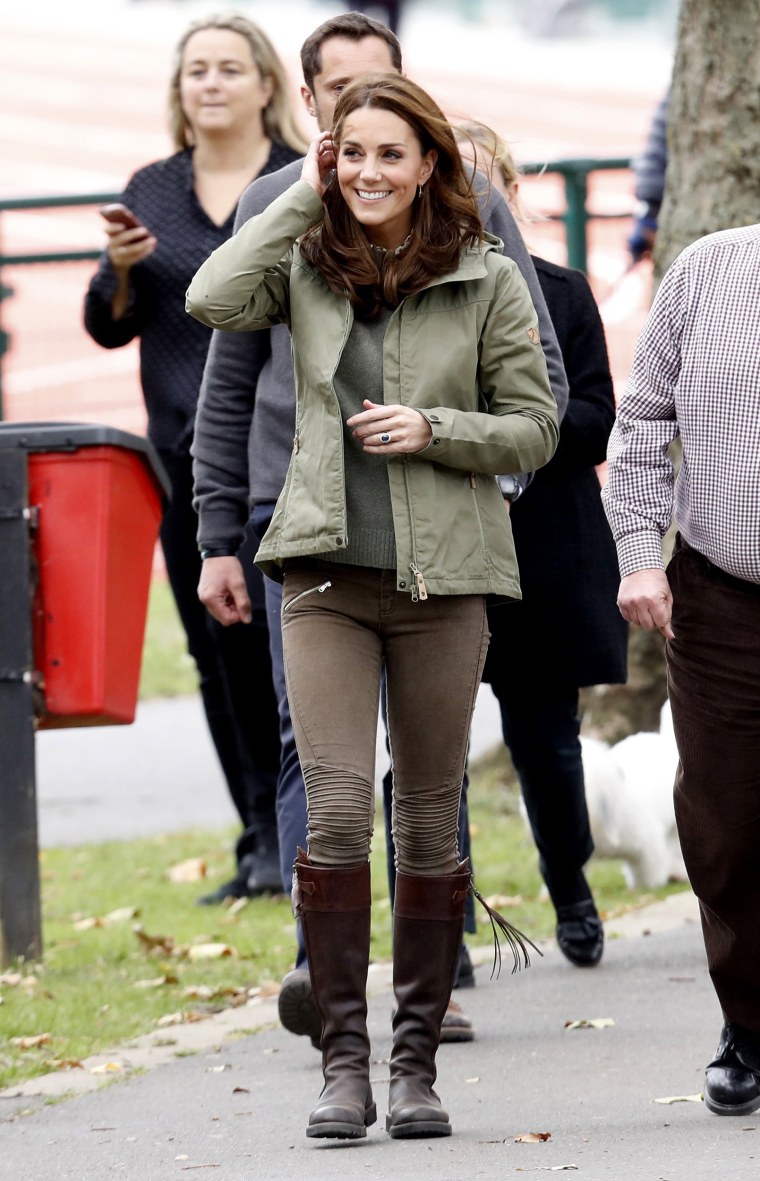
[(465, 352)]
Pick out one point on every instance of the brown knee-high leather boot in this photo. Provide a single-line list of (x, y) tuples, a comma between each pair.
[(428, 921), (334, 905)]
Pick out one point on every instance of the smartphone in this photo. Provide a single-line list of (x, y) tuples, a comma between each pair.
[(121, 215)]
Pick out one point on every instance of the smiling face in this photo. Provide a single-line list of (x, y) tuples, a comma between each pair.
[(221, 87), (380, 165)]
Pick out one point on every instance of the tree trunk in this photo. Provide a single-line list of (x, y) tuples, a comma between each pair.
[(713, 175), (712, 183)]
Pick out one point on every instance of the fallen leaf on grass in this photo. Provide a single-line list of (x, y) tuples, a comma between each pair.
[(107, 1068), (533, 1137), (16, 980), (680, 1099), (152, 944), (157, 981), (89, 923), (210, 951), (33, 1042), (65, 1064), (590, 1023), (192, 870), (182, 1018), (205, 992), (267, 989), (502, 901), (121, 915)]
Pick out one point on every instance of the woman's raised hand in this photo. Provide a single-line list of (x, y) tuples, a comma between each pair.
[(319, 162)]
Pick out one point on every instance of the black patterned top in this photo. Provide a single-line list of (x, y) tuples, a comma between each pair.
[(173, 345)]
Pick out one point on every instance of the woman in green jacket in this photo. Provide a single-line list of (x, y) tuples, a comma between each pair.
[(420, 377)]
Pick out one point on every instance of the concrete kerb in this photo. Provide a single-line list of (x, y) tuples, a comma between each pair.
[(162, 1045)]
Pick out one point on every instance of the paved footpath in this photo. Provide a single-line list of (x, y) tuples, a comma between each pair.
[(232, 1094)]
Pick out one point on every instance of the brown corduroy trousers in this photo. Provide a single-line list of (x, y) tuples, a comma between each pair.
[(714, 687)]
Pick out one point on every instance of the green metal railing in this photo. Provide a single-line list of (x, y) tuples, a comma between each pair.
[(576, 216)]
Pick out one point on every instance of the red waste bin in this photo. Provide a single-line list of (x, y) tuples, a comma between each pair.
[(95, 495)]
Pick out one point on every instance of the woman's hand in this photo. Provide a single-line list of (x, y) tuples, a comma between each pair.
[(390, 430), (319, 163), (127, 247)]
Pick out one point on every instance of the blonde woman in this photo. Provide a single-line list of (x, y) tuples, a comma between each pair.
[(231, 120)]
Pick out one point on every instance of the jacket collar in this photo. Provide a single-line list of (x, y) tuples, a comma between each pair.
[(471, 263)]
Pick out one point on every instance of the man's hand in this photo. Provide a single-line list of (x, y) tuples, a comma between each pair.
[(223, 591), (645, 598)]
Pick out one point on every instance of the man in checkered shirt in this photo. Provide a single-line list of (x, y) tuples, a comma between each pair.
[(696, 374)]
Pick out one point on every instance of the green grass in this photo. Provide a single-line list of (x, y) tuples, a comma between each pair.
[(167, 667), (86, 996)]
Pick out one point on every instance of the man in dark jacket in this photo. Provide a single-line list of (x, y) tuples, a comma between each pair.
[(245, 426)]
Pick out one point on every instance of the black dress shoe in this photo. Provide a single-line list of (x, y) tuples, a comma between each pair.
[(580, 933), (732, 1079)]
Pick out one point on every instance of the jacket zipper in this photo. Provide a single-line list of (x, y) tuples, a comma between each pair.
[(419, 590), (319, 590)]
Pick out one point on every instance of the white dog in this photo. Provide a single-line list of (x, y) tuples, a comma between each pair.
[(629, 791)]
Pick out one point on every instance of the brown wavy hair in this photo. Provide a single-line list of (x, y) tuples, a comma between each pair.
[(279, 116), (445, 219)]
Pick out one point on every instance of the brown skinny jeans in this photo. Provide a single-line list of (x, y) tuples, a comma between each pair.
[(341, 625)]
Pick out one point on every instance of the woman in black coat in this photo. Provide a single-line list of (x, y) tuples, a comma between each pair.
[(567, 632)]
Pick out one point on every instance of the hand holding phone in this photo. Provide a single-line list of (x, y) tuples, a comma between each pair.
[(129, 241), (118, 214)]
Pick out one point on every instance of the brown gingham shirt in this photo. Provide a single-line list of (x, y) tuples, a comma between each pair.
[(695, 373)]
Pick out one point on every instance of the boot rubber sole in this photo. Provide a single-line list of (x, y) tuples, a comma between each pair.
[(297, 1009), (416, 1129), (336, 1131), (340, 1130)]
